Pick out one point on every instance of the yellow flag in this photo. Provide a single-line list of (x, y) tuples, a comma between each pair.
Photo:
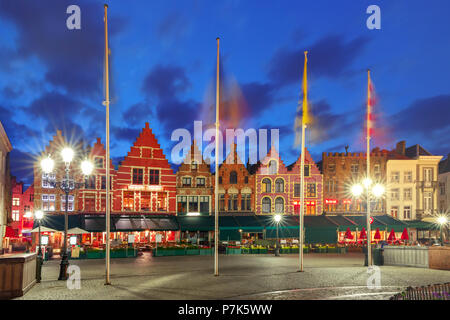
[(305, 92)]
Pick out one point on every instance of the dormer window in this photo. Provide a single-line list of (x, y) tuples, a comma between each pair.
[(194, 165), (273, 167)]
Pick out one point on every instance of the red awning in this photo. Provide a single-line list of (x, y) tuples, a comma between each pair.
[(405, 235)]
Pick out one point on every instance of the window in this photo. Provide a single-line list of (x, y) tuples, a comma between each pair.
[(279, 185), (266, 205), (104, 182), (15, 215), (233, 177), (354, 168), (16, 202), (128, 200), (246, 202), (279, 205), (442, 188), (331, 167), (154, 177), (161, 201), (394, 212), (395, 194), (272, 167), (48, 202), (204, 204), (307, 170), (138, 176), (311, 190), (186, 181), (331, 185), (200, 182), (220, 180), (395, 176), (98, 162), (47, 180), (103, 201), (427, 201), (63, 203), (89, 182), (145, 201), (222, 202), (428, 174), (407, 194), (182, 204), (232, 202), (267, 185), (297, 190), (193, 204), (407, 212), (246, 179), (89, 202), (193, 165), (407, 176)]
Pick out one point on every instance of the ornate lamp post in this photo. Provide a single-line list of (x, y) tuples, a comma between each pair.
[(277, 219), (38, 215), (376, 191), (66, 185)]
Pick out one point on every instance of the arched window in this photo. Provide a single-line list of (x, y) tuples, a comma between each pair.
[(272, 167), (233, 177), (267, 185), (279, 185), (266, 205), (279, 205)]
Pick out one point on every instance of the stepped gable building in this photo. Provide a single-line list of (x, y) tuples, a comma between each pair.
[(92, 198), (236, 186), (51, 199), (145, 183), (195, 184), (22, 211), (342, 170), (278, 186)]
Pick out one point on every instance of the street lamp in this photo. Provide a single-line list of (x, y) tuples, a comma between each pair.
[(38, 215), (377, 191), (66, 185), (442, 220), (277, 219)]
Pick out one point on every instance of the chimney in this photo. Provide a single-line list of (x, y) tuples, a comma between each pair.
[(99, 141), (400, 148), (147, 126), (346, 150)]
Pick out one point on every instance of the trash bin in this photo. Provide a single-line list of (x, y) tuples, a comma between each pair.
[(378, 258)]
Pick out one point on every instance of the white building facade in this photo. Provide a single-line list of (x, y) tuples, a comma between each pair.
[(5, 197), (412, 187)]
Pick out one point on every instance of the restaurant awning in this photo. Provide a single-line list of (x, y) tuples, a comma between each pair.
[(196, 223), (56, 221), (421, 225)]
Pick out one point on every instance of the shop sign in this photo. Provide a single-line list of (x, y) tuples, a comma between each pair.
[(158, 237), (131, 238), (331, 201), (139, 187)]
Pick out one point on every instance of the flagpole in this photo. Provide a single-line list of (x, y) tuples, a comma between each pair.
[(369, 234), (108, 209), (216, 191), (302, 163)]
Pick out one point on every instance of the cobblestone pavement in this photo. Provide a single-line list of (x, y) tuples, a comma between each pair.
[(252, 277)]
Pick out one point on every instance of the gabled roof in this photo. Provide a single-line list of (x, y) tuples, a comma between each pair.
[(444, 165), (416, 151)]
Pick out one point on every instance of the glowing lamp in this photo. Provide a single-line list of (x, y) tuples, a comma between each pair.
[(39, 214), (442, 220), (277, 218), (67, 154), (87, 167), (357, 190), (47, 165), (367, 182), (378, 190)]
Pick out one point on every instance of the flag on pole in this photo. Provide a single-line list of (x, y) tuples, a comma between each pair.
[(306, 119)]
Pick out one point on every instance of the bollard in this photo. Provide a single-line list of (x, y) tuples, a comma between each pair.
[(38, 268)]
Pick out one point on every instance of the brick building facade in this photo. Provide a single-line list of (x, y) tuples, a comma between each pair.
[(278, 186), (195, 184), (22, 209)]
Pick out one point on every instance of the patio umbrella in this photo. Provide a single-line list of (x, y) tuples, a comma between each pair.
[(392, 236), (377, 235), (362, 234), (77, 231), (405, 235), (348, 234), (44, 229)]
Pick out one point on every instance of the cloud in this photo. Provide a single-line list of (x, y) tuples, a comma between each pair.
[(165, 81), (137, 112), (22, 165), (330, 57), (73, 59), (125, 134), (173, 27)]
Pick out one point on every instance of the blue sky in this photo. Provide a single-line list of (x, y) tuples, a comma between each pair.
[(163, 71)]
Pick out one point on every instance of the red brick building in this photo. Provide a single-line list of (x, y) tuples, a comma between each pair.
[(195, 184), (144, 181), (236, 185), (22, 211), (278, 186)]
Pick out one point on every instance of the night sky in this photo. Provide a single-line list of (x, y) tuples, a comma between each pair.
[(163, 56)]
